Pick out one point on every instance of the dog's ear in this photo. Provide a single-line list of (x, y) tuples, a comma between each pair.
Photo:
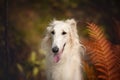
[(51, 24), (72, 22), (48, 28), (73, 25), (73, 29)]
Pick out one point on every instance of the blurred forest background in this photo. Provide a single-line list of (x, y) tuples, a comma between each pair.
[(22, 26)]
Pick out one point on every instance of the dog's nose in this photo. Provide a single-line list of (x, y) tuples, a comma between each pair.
[(55, 49)]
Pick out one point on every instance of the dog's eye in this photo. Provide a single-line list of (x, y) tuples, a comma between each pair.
[(52, 32), (63, 33)]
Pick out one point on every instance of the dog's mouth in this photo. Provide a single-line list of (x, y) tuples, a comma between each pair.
[(58, 55)]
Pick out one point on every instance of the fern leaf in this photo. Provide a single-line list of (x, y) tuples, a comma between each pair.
[(101, 54)]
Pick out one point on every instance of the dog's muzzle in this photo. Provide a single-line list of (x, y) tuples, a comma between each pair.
[(55, 49), (57, 53)]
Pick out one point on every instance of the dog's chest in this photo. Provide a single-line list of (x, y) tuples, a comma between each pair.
[(64, 71)]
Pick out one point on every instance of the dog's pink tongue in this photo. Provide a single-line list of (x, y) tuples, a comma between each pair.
[(56, 58)]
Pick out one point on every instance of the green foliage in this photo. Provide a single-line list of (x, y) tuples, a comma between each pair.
[(27, 21), (32, 66)]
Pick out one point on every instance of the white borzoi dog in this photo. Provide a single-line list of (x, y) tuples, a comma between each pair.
[(63, 50)]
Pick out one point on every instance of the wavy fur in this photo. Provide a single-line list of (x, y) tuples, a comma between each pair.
[(69, 66)]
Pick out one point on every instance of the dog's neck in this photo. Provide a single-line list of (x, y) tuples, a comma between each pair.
[(70, 62)]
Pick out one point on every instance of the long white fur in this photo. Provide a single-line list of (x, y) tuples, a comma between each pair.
[(69, 66)]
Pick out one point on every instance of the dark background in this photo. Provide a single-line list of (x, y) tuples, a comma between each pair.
[(22, 25)]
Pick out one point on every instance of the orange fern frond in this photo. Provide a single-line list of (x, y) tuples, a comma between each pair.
[(89, 70), (101, 54)]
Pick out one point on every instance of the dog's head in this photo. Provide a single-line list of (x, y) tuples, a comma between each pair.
[(61, 33)]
